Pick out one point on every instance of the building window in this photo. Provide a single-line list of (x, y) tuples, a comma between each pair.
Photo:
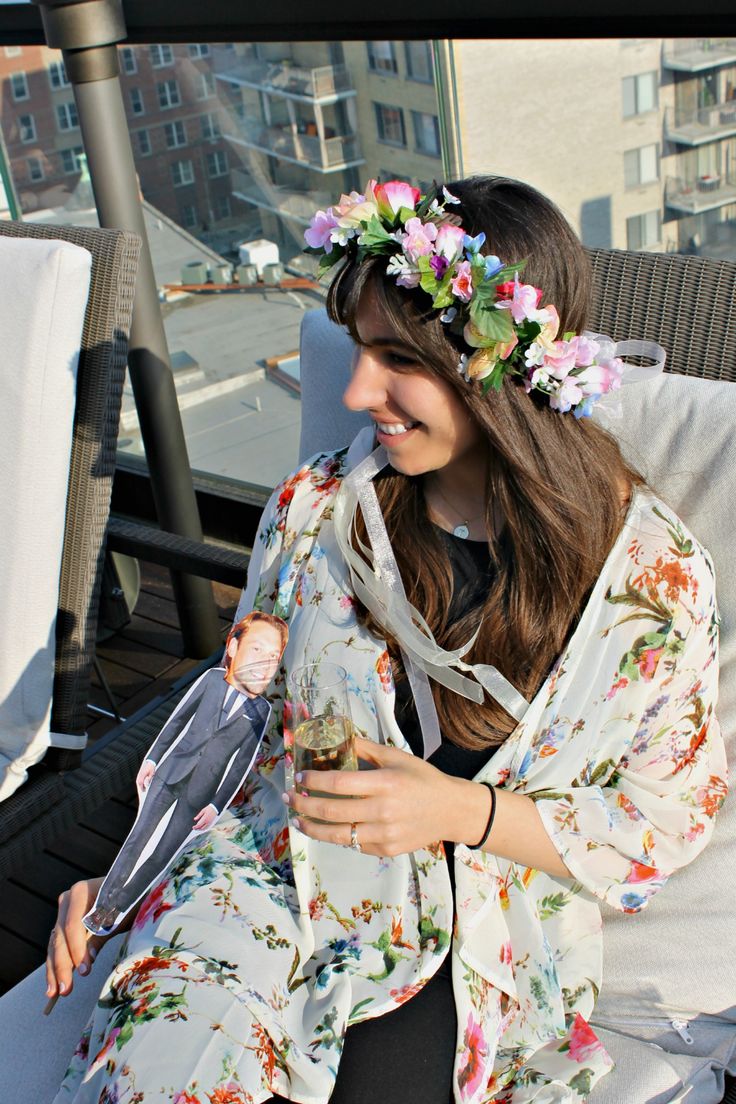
[(182, 172), (217, 163), (35, 169), (57, 75), (205, 85), (71, 159), (144, 143), (66, 116), (19, 86), (641, 166), (161, 55), (176, 134), (199, 49), (643, 231), (13, 51), (27, 128), (168, 94), (382, 58), (210, 125), (222, 207), (136, 102), (639, 94), (390, 124), (426, 133), (129, 60), (419, 62), (188, 217)]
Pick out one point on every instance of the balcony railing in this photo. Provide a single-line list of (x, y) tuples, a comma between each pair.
[(286, 201), (693, 55), (326, 83), (329, 154), (705, 193), (694, 128)]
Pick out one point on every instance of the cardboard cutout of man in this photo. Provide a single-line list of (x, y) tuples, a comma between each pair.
[(197, 763)]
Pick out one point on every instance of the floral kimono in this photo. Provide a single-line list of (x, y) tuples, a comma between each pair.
[(247, 963)]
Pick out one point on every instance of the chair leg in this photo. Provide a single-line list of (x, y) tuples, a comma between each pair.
[(108, 694)]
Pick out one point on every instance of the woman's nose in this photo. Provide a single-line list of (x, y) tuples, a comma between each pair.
[(367, 387)]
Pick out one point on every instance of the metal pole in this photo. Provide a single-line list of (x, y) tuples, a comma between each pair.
[(86, 31)]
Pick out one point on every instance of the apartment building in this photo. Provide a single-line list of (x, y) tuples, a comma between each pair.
[(175, 118)]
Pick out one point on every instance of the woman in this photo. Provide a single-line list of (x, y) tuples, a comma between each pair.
[(520, 555)]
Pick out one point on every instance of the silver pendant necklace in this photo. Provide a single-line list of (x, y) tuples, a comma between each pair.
[(462, 529)]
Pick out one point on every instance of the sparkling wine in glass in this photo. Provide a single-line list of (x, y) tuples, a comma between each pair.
[(323, 736)]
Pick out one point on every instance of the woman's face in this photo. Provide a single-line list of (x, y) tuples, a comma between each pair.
[(419, 417)]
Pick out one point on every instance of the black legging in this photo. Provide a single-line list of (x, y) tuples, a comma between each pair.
[(403, 1057)]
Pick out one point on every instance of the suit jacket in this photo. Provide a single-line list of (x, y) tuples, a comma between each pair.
[(196, 742)]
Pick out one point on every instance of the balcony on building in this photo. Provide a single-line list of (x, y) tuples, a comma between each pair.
[(324, 84), (703, 193), (299, 142), (693, 55), (287, 201), (707, 124)]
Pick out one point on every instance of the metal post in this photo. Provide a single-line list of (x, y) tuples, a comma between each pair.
[(86, 31)]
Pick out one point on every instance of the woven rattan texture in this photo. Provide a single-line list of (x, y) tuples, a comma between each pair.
[(100, 380), (687, 304)]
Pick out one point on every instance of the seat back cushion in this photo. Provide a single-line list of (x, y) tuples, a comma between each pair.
[(44, 285), (677, 958)]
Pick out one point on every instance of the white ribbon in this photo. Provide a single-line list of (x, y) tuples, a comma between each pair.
[(378, 585), (610, 404)]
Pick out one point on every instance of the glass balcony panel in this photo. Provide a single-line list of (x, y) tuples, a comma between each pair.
[(283, 78)]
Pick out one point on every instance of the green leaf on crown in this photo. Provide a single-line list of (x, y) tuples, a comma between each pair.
[(492, 323), (506, 273), (376, 238), (329, 259), (495, 380), (405, 213)]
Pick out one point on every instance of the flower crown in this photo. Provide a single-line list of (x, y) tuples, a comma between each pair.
[(481, 298)]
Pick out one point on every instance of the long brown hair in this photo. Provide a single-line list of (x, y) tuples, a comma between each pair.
[(555, 482)]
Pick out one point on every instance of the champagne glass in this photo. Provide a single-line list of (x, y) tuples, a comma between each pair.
[(323, 729)]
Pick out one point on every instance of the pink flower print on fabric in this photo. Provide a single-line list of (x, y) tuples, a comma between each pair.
[(470, 1073)]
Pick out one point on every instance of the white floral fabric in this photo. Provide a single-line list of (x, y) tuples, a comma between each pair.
[(261, 945)]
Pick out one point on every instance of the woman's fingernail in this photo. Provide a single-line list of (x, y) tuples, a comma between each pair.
[(50, 990), (297, 824), (62, 987), (298, 777), (285, 798), (92, 953), (83, 968)]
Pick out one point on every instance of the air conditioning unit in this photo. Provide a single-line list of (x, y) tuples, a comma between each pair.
[(259, 253)]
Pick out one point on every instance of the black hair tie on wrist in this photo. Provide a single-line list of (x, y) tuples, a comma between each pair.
[(491, 815)]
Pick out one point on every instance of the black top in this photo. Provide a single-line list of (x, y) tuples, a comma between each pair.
[(471, 578), (471, 572)]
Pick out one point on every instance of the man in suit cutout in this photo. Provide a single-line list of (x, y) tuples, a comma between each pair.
[(197, 763)]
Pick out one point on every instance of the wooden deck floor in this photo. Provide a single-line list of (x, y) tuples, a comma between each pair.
[(142, 660)]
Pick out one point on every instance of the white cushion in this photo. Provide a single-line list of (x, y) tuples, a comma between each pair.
[(44, 287), (679, 432)]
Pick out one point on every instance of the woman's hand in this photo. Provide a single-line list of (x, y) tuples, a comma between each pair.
[(402, 805), (71, 947)]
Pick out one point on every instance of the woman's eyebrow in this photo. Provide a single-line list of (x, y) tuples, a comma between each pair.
[(395, 342)]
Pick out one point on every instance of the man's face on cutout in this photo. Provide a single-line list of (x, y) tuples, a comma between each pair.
[(254, 658)]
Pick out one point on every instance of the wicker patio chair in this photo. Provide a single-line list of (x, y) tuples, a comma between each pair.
[(100, 377)]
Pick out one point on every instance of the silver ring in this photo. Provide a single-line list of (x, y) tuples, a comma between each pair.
[(354, 843)]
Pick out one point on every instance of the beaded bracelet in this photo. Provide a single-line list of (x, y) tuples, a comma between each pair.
[(491, 815)]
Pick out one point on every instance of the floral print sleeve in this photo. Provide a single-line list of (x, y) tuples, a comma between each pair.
[(624, 826)]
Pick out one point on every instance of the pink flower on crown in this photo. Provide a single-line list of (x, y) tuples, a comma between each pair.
[(561, 361), (318, 233), (449, 243), (600, 379), (462, 282), (394, 195), (567, 395), (588, 350), (523, 303), (418, 241), (354, 209)]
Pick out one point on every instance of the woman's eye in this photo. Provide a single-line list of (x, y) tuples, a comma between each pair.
[(398, 360)]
